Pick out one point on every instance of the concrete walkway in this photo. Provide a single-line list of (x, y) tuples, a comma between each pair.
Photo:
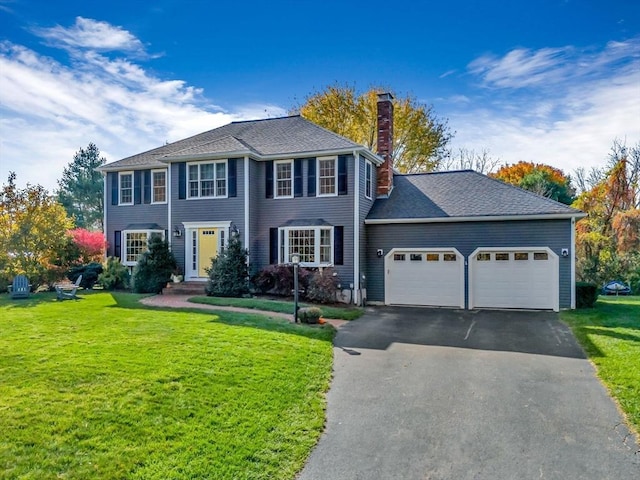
[(182, 301)]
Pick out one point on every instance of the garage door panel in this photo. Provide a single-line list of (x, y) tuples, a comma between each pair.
[(424, 277), (522, 278)]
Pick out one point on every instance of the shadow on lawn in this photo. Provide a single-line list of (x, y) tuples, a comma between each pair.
[(236, 319), (33, 300)]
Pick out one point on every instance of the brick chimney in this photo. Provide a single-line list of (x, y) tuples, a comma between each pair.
[(385, 143)]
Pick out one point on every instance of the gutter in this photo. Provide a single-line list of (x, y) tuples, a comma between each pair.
[(484, 218)]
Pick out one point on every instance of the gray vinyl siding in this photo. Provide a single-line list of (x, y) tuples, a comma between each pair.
[(275, 212), (466, 237), (256, 195), (365, 206), (119, 217), (205, 209)]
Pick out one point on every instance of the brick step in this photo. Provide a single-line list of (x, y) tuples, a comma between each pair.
[(184, 288)]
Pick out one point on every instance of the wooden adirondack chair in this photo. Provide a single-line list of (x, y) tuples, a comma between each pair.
[(20, 287), (68, 292)]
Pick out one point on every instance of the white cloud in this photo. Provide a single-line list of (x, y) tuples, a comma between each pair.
[(49, 110), (92, 34)]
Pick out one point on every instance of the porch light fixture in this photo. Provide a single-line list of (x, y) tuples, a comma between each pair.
[(295, 259), (177, 232)]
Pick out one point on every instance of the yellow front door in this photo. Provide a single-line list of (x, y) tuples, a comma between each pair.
[(208, 239)]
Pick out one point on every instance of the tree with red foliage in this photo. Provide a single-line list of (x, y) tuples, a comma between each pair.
[(91, 245)]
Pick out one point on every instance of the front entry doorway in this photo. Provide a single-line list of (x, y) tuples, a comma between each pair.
[(204, 243)]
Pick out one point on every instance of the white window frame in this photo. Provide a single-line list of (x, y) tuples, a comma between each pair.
[(125, 235), (283, 245), (153, 186), (276, 179), (368, 179), (120, 175), (335, 176), (215, 179)]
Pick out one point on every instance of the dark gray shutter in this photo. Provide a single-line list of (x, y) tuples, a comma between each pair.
[(232, 176), (114, 188), (117, 244), (182, 180), (147, 186), (311, 177), (273, 246), (338, 246), (297, 177), (268, 187), (342, 175), (137, 187)]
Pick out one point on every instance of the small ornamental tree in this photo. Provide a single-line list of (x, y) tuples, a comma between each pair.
[(154, 267), (91, 245), (228, 273)]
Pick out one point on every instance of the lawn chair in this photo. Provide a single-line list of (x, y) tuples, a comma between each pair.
[(20, 287), (68, 292)]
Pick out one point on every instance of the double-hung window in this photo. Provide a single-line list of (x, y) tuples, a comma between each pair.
[(125, 180), (368, 179), (135, 243), (314, 245), (327, 176), (284, 179), (208, 180), (159, 186)]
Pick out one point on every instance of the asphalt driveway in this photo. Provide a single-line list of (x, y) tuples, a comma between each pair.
[(436, 394)]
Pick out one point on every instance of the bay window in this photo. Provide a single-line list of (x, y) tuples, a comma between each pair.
[(135, 243), (314, 245)]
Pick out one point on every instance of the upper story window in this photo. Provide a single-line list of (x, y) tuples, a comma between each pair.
[(284, 179), (368, 179), (207, 180), (125, 180), (159, 186), (327, 177)]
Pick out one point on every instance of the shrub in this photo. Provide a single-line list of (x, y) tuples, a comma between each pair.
[(586, 294), (309, 315), (323, 286), (154, 267), (228, 272), (89, 272), (278, 280), (114, 275)]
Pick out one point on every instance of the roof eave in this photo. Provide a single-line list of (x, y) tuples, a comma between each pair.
[(205, 156), (483, 218)]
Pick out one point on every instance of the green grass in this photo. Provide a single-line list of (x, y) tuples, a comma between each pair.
[(342, 313), (105, 388), (610, 335)]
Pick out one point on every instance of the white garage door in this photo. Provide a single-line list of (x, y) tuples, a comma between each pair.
[(514, 278), (432, 277)]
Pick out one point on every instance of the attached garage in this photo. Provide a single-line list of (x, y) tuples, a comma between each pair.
[(522, 277), (433, 277)]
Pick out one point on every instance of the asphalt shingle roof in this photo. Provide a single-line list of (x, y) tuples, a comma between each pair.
[(292, 135), (464, 193)]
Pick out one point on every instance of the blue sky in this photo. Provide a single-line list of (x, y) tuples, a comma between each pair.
[(547, 81)]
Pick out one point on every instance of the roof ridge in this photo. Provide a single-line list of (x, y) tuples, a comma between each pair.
[(263, 119)]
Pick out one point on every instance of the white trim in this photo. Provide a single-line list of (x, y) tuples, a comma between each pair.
[(573, 263), (169, 224), (133, 187), (166, 183), (485, 218), (246, 203), (275, 178), (552, 256), (283, 235), (460, 262), (335, 177), (214, 180), (190, 227), (356, 229)]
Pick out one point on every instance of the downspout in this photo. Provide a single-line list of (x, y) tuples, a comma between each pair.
[(169, 224), (356, 229), (104, 210), (246, 203), (573, 263)]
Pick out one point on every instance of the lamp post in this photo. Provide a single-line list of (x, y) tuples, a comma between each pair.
[(295, 259)]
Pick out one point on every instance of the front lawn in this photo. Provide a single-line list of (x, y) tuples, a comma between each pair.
[(342, 313), (610, 335), (105, 388)]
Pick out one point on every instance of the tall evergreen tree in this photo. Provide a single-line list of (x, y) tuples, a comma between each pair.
[(81, 189)]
